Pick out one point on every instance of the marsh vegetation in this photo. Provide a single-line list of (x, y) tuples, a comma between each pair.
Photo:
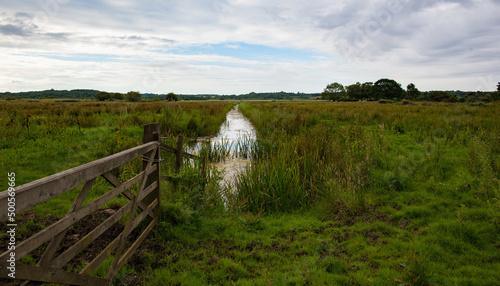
[(337, 193)]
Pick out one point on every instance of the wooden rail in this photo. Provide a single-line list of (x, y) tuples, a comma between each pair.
[(147, 199), (179, 155)]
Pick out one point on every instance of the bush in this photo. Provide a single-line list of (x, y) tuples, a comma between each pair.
[(385, 101), (133, 96)]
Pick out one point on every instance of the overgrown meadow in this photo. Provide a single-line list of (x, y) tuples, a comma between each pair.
[(39, 139), (336, 193), (405, 194), (42, 138)]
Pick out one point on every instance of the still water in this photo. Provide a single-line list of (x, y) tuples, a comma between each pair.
[(235, 130)]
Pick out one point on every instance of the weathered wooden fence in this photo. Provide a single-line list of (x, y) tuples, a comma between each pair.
[(145, 202), (179, 156)]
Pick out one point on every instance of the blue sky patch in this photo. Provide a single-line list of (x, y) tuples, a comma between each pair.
[(248, 52)]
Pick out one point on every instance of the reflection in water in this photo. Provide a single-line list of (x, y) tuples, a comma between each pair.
[(235, 133)]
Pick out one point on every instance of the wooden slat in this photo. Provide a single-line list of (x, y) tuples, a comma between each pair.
[(173, 150), (76, 248), (168, 148), (109, 249), (115, 182), (179, 154), (54, 243), (101, 256), (147, 191), (44, 274), (126, 256), (38, 239), (33, 193), (155, 176), (121, 245)]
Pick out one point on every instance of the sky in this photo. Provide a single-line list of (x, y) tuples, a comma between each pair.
[(240, 46)]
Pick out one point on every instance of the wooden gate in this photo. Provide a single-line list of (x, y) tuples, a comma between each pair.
[(145, 202)]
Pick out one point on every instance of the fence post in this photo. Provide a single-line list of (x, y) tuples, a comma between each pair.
[(179, 153), (152, 133)]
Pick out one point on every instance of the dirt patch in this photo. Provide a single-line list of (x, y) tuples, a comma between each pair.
[(85, 226), (349, 217)]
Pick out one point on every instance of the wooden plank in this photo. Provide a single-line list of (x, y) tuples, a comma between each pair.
[(38, 239), (121, 245), (147, 191), (126, 256), (109, 249), (76, 248), (152, 133), (168, 148), (190, 156), (111, 179), (45, 274), (33, 193), (147, 171), (54, 243), (115, 182), (179, 153), (173, 150), (101, 256)]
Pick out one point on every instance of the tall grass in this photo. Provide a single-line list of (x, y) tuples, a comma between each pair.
[(38, 139), (32, 134), (340, 152), (429, 171)]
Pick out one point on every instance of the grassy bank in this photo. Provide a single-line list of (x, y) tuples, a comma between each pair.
[(423, 179)]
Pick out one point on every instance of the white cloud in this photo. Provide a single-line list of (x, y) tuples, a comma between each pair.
[(123, 45)]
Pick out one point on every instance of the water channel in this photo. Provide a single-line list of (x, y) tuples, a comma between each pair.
[(236, 131)]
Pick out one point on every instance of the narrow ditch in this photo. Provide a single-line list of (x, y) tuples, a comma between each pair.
[(235, 138)]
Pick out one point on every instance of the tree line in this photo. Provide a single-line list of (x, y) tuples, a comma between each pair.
[(383, 89), (281, 95), (389, 89), (51, 93), (132, 96)]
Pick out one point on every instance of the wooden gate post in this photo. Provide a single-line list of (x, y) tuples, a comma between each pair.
[(179, 153), (152, 133)]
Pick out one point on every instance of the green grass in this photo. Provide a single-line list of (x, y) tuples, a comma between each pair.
[(41, 139), (300, 249), (337, 194)]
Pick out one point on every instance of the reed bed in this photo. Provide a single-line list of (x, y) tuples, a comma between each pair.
[(340, 152)]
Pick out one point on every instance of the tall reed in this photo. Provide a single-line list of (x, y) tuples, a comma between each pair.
[(340, 152)]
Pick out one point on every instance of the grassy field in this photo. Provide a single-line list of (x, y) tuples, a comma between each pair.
[(337, 193), (408, 193)]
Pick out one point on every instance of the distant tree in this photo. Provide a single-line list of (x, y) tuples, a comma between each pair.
[(334, 91), (355, 91), (387, 88), (412, 91), (367, 89), (102, 96), (495, 96), (133, 96), (481, 96), (498, 86), (118, 96), (440, 95), (171, 97)]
